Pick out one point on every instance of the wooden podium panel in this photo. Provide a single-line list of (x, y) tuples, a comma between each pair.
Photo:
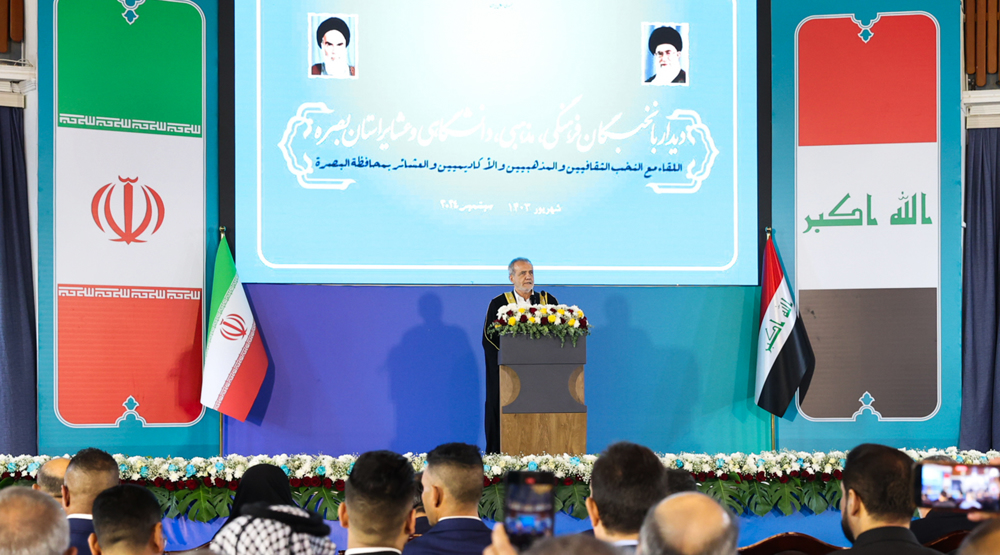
[(541, 432)]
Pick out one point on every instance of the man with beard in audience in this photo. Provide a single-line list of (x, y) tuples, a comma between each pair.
[(127, 522), (877, 502), (89, 472), (453, 487), (378, 504), (626, 481), (32, 522)]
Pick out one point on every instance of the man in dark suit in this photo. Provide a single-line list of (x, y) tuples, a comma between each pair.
[(89, 472), (626, 481), (936, 523), (453, 486), (877, 502), (127, 521), (32, 522), (522, 274), (378, 504)]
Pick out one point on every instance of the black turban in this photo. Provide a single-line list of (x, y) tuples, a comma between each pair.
[(664, 35), (337, 24)]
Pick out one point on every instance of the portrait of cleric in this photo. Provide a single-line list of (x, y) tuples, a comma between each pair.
[(667, 61), (334, 51)]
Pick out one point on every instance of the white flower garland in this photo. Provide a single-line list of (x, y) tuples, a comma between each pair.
[(578, 468)]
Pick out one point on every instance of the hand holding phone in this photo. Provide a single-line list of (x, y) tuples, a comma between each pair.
[(957, 487), (528, 507)]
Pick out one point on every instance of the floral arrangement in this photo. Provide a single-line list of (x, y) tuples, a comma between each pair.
[(542, 320), (202, 488)]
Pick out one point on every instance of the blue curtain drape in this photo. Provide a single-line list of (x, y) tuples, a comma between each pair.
[(18, 416)]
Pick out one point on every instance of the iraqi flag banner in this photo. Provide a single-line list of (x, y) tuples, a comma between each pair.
[(785, 360), (235, 361)]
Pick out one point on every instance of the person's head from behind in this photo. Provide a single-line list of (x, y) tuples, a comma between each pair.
[(688, 523), (984, 539), (452, 481), (572, 544), (32, 523), (378, 501), (626, 481), (678, 481), (50, 477), (89, 472), (333, 36), (262, 483), (265, 530), (665, 44), (126, 521), (877, 489)]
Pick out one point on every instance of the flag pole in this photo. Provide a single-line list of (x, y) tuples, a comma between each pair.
[(222, 237), (774, 435)]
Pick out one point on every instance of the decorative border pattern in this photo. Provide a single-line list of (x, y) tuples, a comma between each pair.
[(130, 124), (129, 292)]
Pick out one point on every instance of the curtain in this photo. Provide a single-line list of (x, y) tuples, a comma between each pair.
[(18, 416)]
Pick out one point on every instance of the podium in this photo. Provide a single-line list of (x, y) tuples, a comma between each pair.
[(542, 406)]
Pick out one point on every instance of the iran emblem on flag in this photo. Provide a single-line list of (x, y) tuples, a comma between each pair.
[(785, 360), (235, 361)]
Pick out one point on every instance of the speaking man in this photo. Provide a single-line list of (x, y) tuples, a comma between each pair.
[(522, 274)]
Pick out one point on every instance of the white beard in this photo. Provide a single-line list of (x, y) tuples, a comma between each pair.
[(666, 75), (338, 68)]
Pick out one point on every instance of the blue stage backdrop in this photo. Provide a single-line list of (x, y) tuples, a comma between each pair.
[(427, 139), (358, 368)]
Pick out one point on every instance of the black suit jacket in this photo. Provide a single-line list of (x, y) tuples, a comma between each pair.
[(888, 540), (79, 534), (455, 536), (938, 524)]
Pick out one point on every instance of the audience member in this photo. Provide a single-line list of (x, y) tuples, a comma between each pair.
[(626, 481), (688, 523), (89, 472), (32, 522), (261, 484), (984, 540), (275, 529), (877, 502), (679, 481), (572, 544), (378, 504), (422, 525), (453, 487), (50, 477), (127, 522), (937, 523)]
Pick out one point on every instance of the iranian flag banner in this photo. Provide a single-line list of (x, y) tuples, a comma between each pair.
[(235, 361), (785, 360)]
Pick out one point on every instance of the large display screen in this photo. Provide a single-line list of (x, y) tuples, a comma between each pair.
[(433, 141)]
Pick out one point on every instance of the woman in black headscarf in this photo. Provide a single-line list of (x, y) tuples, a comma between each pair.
[(263, 483)]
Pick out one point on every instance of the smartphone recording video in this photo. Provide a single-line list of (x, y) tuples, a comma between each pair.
[(528, 507), (958, 487)]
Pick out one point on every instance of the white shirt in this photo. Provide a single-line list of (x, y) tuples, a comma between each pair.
[(468, 517), (624, 543), (521, 301), (81, 516), (360, 550)]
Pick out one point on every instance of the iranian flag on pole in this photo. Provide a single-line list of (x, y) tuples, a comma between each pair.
[(235, 362), (785, 360)]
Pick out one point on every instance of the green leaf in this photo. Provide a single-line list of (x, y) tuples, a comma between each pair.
[(812, 497), (163, 497), (572, 499), (200, 507), (728, 493), (832, 493), (491, 505), (759, 498), (222, 501), (784, 496)]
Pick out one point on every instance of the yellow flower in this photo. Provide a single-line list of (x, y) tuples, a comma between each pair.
[(521, 310), (572, 321), (579, 313), (543, 310), (552, 319), (496, 325), (531, 319), (512, 320), (561, 311)]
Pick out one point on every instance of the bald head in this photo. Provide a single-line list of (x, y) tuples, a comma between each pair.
[(50, 477), (31, 522), (688, 523), (89, 472), (983, 540)]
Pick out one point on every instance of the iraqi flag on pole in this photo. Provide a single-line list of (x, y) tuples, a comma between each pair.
[(785, 360), (235, 361)]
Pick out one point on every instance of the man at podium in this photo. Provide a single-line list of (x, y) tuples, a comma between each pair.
[(522, 274)]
